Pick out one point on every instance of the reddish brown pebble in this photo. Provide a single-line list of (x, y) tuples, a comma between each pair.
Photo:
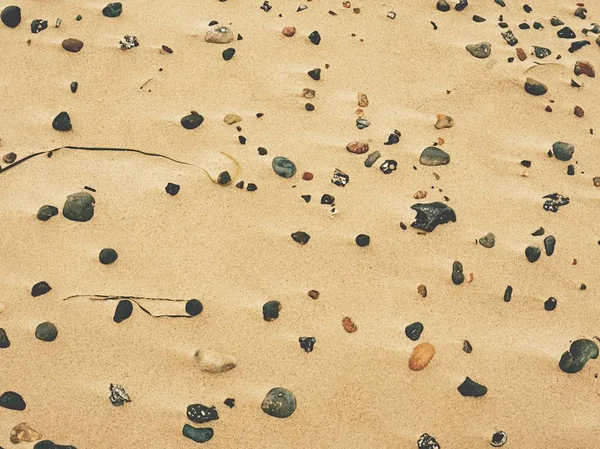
[(421, 356), (584, 68), (521, 54), (357, 147), (574, 261), (349, 326), (307, 176), (9, 158), (314, 294), (579, 112), (288, 31), (548, 109), (72, 45), (422, 290)]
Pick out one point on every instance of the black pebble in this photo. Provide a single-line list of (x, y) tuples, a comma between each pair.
[(107, 256), (467, 347), (392, 139), (193, 307), (327, 199), (4, 341), (532, 253), (315, 74), (12, 401), (262, 151), (62, 122), (224, 178), (240, 185), (11, 16), (123, 310), (199, 413), (228, 54), (172, 189), (309, 107), (539, 232), (524, 26), (571, 170), (229, 402), (301, 237), (38, 25), (46, 331), (306, 198), (550, 304), (508, 294), (113, 10), (549, 243), (461, 5), (251, 187), (538, 26), (362, 240), (307, 343), (41, 288), (503, 25), (46, 212), (527, 8), (443, 6), (566, 33), (315, 37), (192, 121), (478, 19), (242, 140), (526, 164), (74, 86), (271, 310), (578, 45), (212, 23), (414, 330), (583, 287), (403, 226), (457, 273)]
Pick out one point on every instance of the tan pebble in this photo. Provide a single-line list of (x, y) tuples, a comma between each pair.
[(219, 35), (22, 432), (521, 54), (230, 119), (440, 141), (288, 31), (360, 112), (420, 194), (421, 356), (422, 290), (308, 93), (349, 325), (214, 362), (444, 121), (357, 147), (363, 101)]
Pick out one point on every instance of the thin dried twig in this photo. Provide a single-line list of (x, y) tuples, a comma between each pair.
[(136, 300)]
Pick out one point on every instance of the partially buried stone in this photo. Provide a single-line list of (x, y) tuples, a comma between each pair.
[(433, 156), (315, 37), (555, 21), (46, 212), (38, 25), (430, 215), (79, 207), (118, 395), (471, 388), (12, 401), (340, 178), (22, 432), (327, 199), (279, 403), (467, 347), (596, 181), (566, 33), (388, 166), (578, 111), (301, 237), (488, 240), (444, 121), (228, 54), (128, 42), (113, 10), (307, 343), (372, 158), (41, 288), (426, 441), (498, 439), (193, 307), (422, 290), (48, 444), (533, 253), (534, 87), (315, 74), (224, 178), (461, 5), (349, 325), (230, 119), (541, 52), (580, 12), (357, 147), (9, 158), (510, 38), (271, 310), (363, 100), (172, 189), (393, 139), (575, 359), (4, 341), (229, 402), (549, 244), (11, 16), (107, 256), (481, 50), (62, 122), (458, 276), (442, 5), (192, 121), (508, 293), (362, 240), (283, 167), (413, 331), (554, 201), (288, 31), (199, 413), (539, 232), (219, 35), (72, 45), (46, 331), (123, 310), (214, 362), (478, 19)]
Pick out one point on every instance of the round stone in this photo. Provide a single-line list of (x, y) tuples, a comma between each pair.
[(563, 151), (414, 331), (279, 403), (192, 121), (62, 122), (193, 307), (79, 207), (433, 156), (271, 310), (550, 304), (9, 158), (108, 256), (46, 212), (12, 401), (46, 331), (283, 167), (362, 240), (288, 31), (228, 54), (72, 45), (11, 16), (499, 439), (534, 87)]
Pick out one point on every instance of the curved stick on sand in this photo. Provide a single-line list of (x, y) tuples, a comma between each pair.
[(136, 300), (541, 63)]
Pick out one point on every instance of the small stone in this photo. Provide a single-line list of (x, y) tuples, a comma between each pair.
[(12, 401), (510, 38), (555, 201), (265, 6), (391, 15), (38, 25), (262, 151), (362, 99), (229, 402), (461, 5), (22, 432), (309, 107), (433, 156), (498, 439), (78, 18), (192, 121), (74, 86), (47, 444), (314, 294), (471, 388), (11, 16), (388, 166), (534, 87), (362, 240), (219, 35), (4, 341), (39, 289), (362, 123), (541, 52), (46, 331), (426, 441), (458, 276), (549, 244), (414, 330), (393, 139), (123, 311), (301, 237), (315, 74), (555, 22), (315, 37), (372, 158), (422, 290), (532, 253), (118, 395), (230, 119), (199, 413), (349, 325), (467, 347), (596, 181), (430, 215), (288, 31), (420, 194), (421, 356), (79, 207), (283, 167), (443, 6), (251, 187), (72, 45), (307, 176), (357, 147), (481, 50), (575, 359), (524, 26), (478, 19), (508, 294), (107, 256), (214, 362), (521, 54), (62, 122), (308, 93), (307, 343), (271, 310), (279, 403), (46, 212), (228, 54), (172, 189), (488, 241), (563, 151), (539, 232), (578, 45), (340, 178), (584, 68), (113, 10), (444, 121), (224, 178), (128, 42), (193, 307), (578, 111), (566, 33), (199, 435), (550, 304)]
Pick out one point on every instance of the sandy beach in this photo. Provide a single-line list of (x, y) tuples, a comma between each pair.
[(232, 249)]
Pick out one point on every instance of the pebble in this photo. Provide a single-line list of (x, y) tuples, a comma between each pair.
[(107, 256), (123, 310), (550, 304), (461, 5), (74, 86), (443, 6), (413, 331), (4, 340), (443, 121), (72, 45), (230, 119), (532, 253), (422, 290), (38, 25), (46, 212), (228, 54), (362, 240), (521, 54), (393, 139), (458, 276), (314, 294), (62, 122), (308, 93), (578, 111), (214, 362), (262, 151), (199, 413), (538, 232), (420, 194), (388, 166), (471, 388), (510, 38), (199, 435), (307, 343), (578, 45), (39, 289), (372, 158), (301, 237), (229, 402), (48, 444), (79, 207), (426, 441), (224, 178), (362, 123), (192, 121), (580, 351), (219, 35), (498, 439), (12, 401), (555, 22), (488, 241), (22, 432), (309, 107), (563, 151), (433, 156), (283, 167), (362, 99), (315, 74), (307, 176), (193, 307), (478, 19), (566, 33), (481, 50), (340, 178), (549, 243), (11, 16), (541, 52), (421, 356), (391, 15), (508, 294), (46, 331), (279, 403), (467, 347), (596, 181), (288, 31), (534, 87), (172, 189), (113, 9), (349, 325), (271, 310), (584, 68), (555, 201), (118, 395), (315, 37), (430, 215), (357, 147)]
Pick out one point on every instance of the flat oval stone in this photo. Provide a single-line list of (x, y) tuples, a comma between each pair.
[(549, 244), (192, 121), (481, 50), (11, 16), (372, 158), (48, 444), (46, 212), (283, 167), (421, 356), (46, 331), (357, 147), (79, 207), (72, 45), (563, 151), (214, 362), (534, 87), (457, 273), (123, 311), (433, 156), (108, 256), (62, 122), (199, 435), (219, 35), (532, 253), (113, 10), (40, 288), (12, 401), (279, 403)]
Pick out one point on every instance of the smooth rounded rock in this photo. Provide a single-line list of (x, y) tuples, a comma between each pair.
[(123, 311), (357, 147), (271, 310), (433, 156), (414, 331), (46, 212), (533, 253), (108, 256), (534, 87), (488, 241), (192, 121), (283, 167), (79, 207), (72, 45), (11, 16), (219, 35), (198, 434), (193, 307), (457, 273), (12, 401), (563, 151), (363, 240), (214, 362), (62, 122), (4, 341), (279, 403), (481, 50), (549, 244), (575, 359), (46, 331), (113, 10), (421, 356)]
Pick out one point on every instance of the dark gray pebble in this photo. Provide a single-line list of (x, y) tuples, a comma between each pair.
[(563, 151), (123, 310), (172, 189), (510, 38), (279, 403), (224, 178), (550, 304), (467, 347), (575, 359), (315, 74), (362, 240), (46, 331), (229, 402), (372, 158), (46, 212), (113, 10), (566, 33), (74, 86), (578, 45), (11, 16), (62, 122), (471, 388), (432, 157), (539, 232), (283, 167), (430, 215), (41, 288), (271, 310), (315, 37), (549, 244), (533, 253), (443, 6), (498, 439), (4, 341), (199, 413), (193, 307), (79, 207), (534, 87), (457, 273), (388, 166), (192, 121), (541, 52), (508, 294), (555, 22), (478, 19), (199, 435), (48, 444), (307, 343), (327, 199), (228, 54), (301, 237), (107, 256), (38, 25), (413, 331), (12, 401)]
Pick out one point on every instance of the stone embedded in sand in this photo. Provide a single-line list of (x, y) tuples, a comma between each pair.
[(46, 212), (457, 273), (349, 325), (228, 54), (578, 111), (108, 256), (433, 156), (363, 101), (362, 123), (271, 310), (11, 16), (426, 441), (430, 215), (478, 19), (521, 54), (554, 201), (563, 151), (498, 439), (422, 290), (414, 330), (22, 432), (420, 194), (279, 403), (193, 307), (307, 343), (393, 138), (443, 121), (315, 37), (199, 413), (471, 388), (48, 444), (62, 122), (46, 331), (362, 240), (541, 52), (224, 178), (113, 10), (72, 45), (79, 207), (219, 35), (481, 50), (442, 5), (488, 240), (128, 42), (198, 434), (578, 45), (12, 401), (596, 181), (584, 68), (549, 244), (510, 38), (555, 21), (533, 253), (533, 87), (308, 93), (388, 166), (118, 395), (214, 362), (192, 121), (74, 85), (578, 355), (566, 33), (315, 74), (39, 289), (461, 5), (357, 147), (4, 341), (230, 119), (288, 31), (283, 167), (9, 158), (508, 293), (301, 237), (550, 304), (421, 356), (123, 310), (467, 347), (172, 189)]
